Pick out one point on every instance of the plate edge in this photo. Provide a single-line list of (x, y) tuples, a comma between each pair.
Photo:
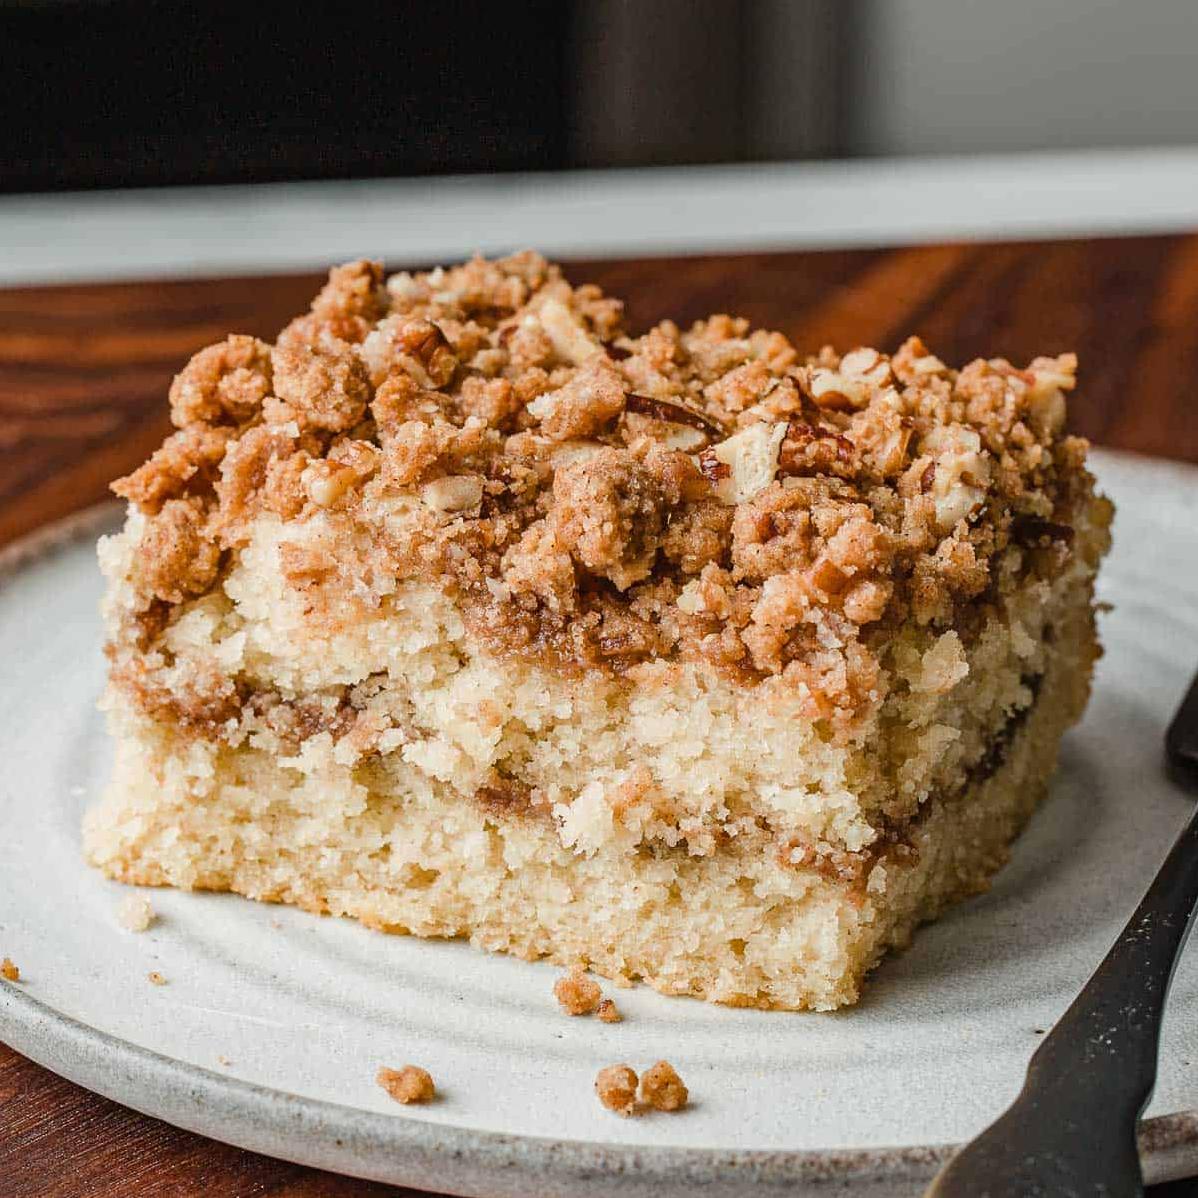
[(454, 1154)]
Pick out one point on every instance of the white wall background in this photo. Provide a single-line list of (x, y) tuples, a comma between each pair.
[(947, 76)]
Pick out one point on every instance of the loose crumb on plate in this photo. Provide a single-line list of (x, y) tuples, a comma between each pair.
[(616, 1087), (409, 1084), (9, 971), (155, 977), (608, 1012), (662, 1088), (134, 913), (577, 993)]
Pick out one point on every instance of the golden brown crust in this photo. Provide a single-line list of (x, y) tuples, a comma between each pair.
[(601, 500), (9, 971)]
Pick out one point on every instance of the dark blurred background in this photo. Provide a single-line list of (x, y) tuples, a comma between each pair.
[(115, 93), (119, 93)]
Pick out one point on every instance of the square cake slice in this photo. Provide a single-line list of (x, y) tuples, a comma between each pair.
[(461, 611)]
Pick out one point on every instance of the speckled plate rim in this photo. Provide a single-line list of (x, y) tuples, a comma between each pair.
[(460, 1160)]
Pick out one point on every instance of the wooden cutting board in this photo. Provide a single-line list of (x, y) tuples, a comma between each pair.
[(83, 377)]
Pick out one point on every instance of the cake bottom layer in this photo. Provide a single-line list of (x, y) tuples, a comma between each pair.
[(741, 927)]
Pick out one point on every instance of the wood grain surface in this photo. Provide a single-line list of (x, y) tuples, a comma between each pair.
[(83, 378)]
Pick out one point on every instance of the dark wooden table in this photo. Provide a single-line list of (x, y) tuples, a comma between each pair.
[(83, 378)]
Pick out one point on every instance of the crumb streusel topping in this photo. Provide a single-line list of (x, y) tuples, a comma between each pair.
[(662, 1088), (411, 1084), (608, 1012), (577, 994), (615, 1086), (602, 500), (659, 1088)]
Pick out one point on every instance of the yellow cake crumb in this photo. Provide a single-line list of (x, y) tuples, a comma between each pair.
[(9, 971), (134, 913), (156, 978)]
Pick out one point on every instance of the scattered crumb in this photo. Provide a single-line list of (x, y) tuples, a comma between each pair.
[(577, 993), (222, 1060), (609, 1012), (409, 1084), (134, 913), (156, 978), (662, 1088), (616, 1087), (8, 970), (276, 923)]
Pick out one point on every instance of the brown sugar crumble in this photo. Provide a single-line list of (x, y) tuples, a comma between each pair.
[(9, 971), (608, 1012), (602, 499), (407, 1085), (616, 1087), (156, 978), (577, 994), (662, 1088)]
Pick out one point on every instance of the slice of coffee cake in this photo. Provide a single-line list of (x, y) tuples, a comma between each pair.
[(462, 612)]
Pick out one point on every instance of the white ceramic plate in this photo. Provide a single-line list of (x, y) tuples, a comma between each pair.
[(273, 1022)]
